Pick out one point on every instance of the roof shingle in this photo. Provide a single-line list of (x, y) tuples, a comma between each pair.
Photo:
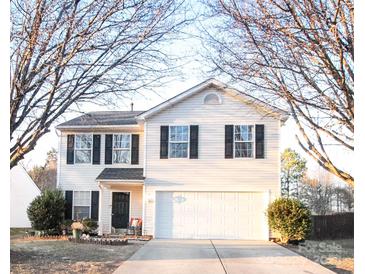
[(121, 174), (103, 118)]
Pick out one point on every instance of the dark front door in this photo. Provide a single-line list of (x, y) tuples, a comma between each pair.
[(120, 210)]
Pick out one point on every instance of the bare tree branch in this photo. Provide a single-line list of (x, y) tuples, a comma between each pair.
[(72, 51), (293, 53)]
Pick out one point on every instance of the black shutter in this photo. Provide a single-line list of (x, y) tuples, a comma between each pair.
[(68, 205), (96, 149), (70, 149), (108, 149), (194, 142), (95, 205), (228, 142), (164, 142), (135, 149), (260, 141)]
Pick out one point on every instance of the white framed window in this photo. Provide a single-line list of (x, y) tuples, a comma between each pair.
[(83, 147), (122, 148), (178, 141), (81, 204), (243, 141)]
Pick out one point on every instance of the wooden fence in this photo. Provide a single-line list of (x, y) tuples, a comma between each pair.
[(337, 226)]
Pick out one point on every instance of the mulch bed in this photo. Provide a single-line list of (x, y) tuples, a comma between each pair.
[(45, 238), (100, 241)]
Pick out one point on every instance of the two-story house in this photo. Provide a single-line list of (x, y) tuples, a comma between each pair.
[(202, 165)]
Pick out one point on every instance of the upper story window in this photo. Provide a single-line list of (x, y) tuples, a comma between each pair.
[(83, 147), (121, 148), (81, 204), (179, 141), (243, 141), (212, 99)]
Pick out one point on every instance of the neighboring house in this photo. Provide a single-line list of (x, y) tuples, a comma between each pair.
[(22, 192), (203, 164)]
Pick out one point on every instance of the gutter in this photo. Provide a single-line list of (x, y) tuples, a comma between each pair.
[(96, 126), (119, 180)]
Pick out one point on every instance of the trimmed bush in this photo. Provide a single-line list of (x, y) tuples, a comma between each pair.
[(46, 211), (89, 225), (290, 218)]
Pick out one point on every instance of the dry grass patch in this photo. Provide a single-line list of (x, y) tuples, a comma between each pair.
[(68, 257), (336, 255)]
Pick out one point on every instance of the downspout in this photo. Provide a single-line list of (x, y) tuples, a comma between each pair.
[(144, 175)]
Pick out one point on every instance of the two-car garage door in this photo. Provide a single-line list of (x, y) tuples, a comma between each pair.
[(210, 215)]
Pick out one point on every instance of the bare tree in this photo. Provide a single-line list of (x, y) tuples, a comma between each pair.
[(344, 199), (317, 193), (69, 52), (297, 54), (45, 176)]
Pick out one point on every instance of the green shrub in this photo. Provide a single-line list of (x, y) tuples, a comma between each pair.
[(46, 211), (89, 225), (66, 226), (290, 218)]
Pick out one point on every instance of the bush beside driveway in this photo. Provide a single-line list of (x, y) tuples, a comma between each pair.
[(67, 257)]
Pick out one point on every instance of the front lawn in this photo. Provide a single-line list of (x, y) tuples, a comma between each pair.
[(60, 256), (16, 232), (337, 255)]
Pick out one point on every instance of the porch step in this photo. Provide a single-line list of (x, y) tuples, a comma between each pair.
[(119, 231), (115, 235)]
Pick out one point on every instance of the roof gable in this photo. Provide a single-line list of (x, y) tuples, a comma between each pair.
[(21, 178), (213, 83)]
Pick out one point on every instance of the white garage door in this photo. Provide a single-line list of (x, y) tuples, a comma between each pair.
[(210, 215)]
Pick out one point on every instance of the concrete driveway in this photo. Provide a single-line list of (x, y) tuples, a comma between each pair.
[(217, 256)]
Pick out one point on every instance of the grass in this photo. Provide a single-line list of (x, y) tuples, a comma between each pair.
[(67, 257), (18, 232)]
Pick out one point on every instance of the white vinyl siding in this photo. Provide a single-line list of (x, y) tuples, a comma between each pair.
[(211, 172), (82, 176)]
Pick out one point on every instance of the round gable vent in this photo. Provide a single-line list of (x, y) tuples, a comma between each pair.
[(212, 99)]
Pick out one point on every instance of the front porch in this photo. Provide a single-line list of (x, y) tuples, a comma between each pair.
[(120, 200)]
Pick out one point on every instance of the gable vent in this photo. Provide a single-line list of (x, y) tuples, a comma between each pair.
[(212, 99)]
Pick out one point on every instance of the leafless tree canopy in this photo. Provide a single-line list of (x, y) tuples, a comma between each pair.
[(323, 197), (299, 53), (71, 51), (45, 176)]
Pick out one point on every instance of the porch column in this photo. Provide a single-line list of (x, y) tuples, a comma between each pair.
[(101, 197)]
